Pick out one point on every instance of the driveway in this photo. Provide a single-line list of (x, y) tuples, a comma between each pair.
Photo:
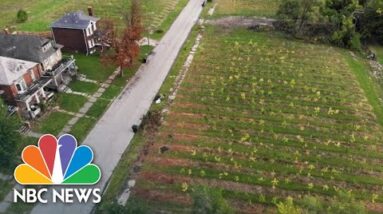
[(112, 134)]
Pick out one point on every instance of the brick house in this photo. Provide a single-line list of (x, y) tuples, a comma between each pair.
[(22, 85), (40, 50), (76, 31)]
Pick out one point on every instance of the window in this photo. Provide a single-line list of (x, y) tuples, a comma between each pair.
[(93, 26), (46, 47), (89, 31), (21, 86), (91, 43)]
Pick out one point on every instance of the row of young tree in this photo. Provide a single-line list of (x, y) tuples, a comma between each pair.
[(346, 23)]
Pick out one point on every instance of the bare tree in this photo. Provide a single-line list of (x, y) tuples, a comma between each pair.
[(105, 33)]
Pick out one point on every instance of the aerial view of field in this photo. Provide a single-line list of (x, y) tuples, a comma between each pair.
[(247, 7), (266, 118), (43, 12), (191, 106)]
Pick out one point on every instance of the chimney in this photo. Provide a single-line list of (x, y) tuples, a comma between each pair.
[(90, 11)]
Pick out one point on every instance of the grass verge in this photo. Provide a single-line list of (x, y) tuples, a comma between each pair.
[(373, 92)]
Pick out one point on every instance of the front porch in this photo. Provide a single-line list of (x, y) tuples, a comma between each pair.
[(62, 74), (29, 103)]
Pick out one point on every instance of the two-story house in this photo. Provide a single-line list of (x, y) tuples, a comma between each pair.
[(76, 31), (41, 50), (22, 85)]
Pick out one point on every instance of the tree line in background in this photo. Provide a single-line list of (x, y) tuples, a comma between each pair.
[(345, 23)]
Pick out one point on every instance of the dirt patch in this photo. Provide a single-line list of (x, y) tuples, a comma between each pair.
[(162, 196), (239, 21), (374, 207)]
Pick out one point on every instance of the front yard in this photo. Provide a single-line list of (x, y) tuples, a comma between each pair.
[(51, 123)]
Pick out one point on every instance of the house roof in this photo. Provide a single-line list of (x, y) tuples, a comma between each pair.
[(13, 69), (26, 47), (74, 20)]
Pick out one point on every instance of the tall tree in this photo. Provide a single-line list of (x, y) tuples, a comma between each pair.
[(371, 21), (298, 13), (105, 33), (135, 20), (10, 138), (124, 47)]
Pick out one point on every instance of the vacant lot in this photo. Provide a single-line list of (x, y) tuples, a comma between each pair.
[(246, 8), (43, 12), (265, 118)]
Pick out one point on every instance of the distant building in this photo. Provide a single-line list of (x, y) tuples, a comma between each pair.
[(22, 85), (43, 51), (76, 31)]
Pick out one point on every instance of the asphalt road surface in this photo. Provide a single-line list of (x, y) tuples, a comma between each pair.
[(112, 134)]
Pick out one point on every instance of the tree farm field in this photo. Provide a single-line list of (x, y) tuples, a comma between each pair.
[(41, 13), (265, 118)]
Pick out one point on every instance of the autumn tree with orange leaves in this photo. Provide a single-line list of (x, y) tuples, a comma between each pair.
[(123, 47)]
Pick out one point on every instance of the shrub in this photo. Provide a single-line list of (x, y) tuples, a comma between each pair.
[(209, 201), (151, 121), (288, 207), (355, 42), (343, 202), (22, 16)]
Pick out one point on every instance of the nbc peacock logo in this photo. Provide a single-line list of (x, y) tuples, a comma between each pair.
[(57, 162)]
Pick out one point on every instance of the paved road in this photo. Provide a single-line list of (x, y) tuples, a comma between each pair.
[(112, 134)]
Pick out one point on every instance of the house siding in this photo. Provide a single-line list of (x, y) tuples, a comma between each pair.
[(10, 91), (52, 60), (72, 39)]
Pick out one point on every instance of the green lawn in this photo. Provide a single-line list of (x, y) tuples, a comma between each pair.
[(84, 87), (82, 127), (373, 91), (378, 49), (266, 8), (274, 116), (42, 13), (52, 123), (98, 108), (71, 102), (168, 21), (92, 67)]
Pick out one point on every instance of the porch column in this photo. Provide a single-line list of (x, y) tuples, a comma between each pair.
[(27, 105), (43, 92), (37, 98), (55, 79), (29, 109)]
